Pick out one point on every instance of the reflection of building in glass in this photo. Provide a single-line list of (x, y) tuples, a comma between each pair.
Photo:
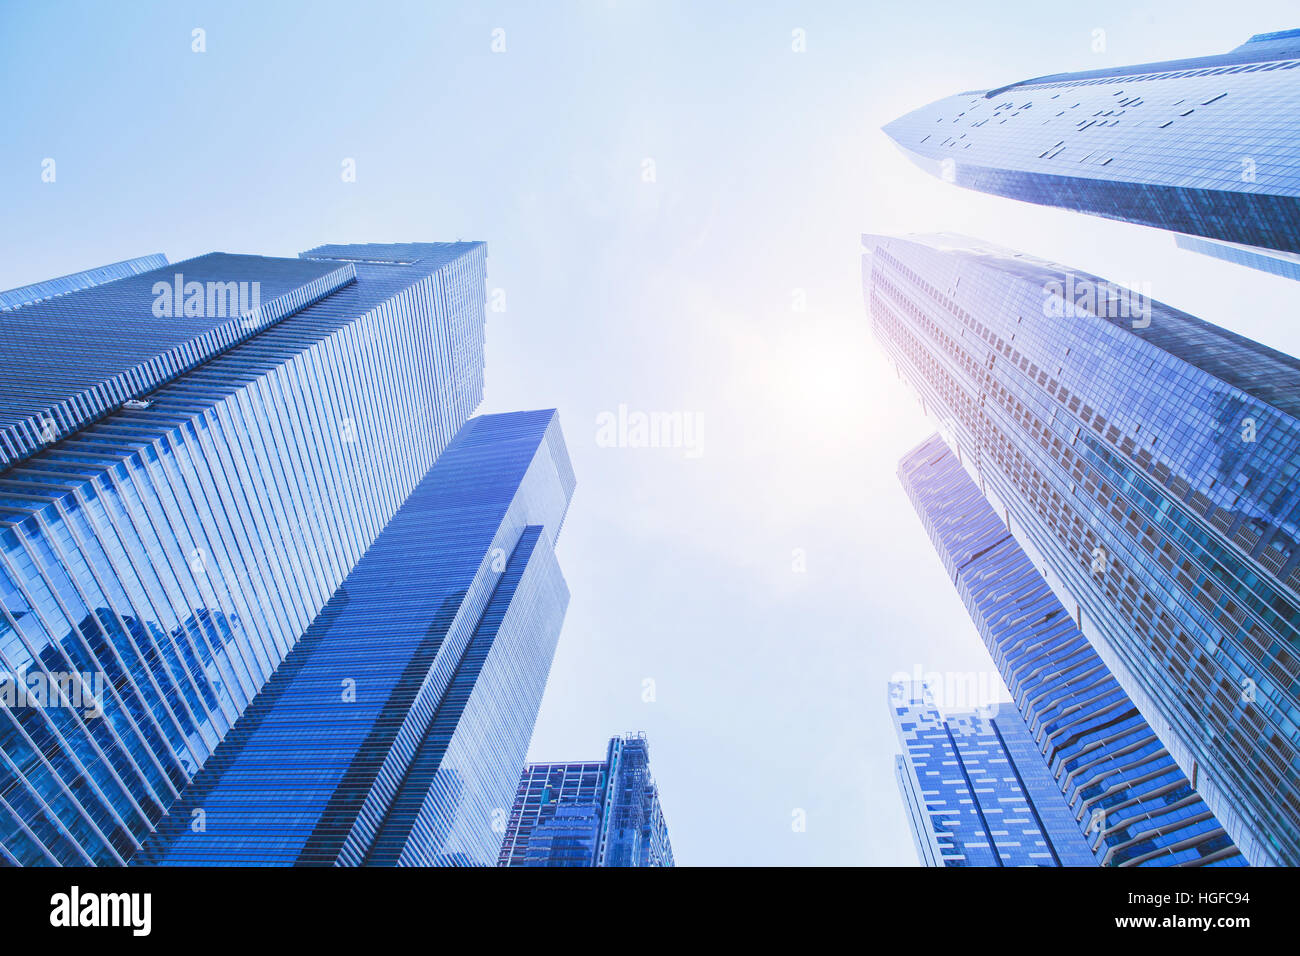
[(180, 498), (395, 729)]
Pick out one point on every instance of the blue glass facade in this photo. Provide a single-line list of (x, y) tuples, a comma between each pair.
[(928, 850), (87, 279), (544, 789), (604, 813), (1202, 146), (569, 836), (1146, 462), (975, 789), (1124, 792), (1284, 264), (217, 489), (68, 359), (393, 733)]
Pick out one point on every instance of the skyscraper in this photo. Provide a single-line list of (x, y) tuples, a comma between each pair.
[(976, 790), (1284, 264), (1203, 146), (1145, 461), (394, 732), (194, 458), (604, 813), (1124, 791)]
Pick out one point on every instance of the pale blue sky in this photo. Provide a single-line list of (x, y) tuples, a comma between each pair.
[(675, 295)]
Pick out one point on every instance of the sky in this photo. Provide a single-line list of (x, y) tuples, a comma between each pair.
[(672, 197)]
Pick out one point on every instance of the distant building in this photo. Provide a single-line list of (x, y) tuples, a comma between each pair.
[(976, 792), (604, 813)]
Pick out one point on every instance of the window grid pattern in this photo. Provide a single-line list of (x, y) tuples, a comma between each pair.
[(974, 800), (1205, 147), (1100, 443), (394, 732), (180, 550), (1123, 789), (87, 279), (605, 813), (68, 360)]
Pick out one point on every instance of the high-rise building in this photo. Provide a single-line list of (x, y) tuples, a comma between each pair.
[(603, 813), (192, 459), (535, 821), (1203, 146), (1124, 791), (393, 732), (976, 791), (1284, 264), (1146, 462)]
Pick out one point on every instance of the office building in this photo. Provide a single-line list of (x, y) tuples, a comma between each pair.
[(1124, 792), (1146, 463), (393, 733), (600, 813), (1204, 147), (975, 790), (194, 457)]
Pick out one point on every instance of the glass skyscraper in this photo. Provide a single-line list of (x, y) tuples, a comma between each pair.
[(1202, 146), (976, 790), (1284, 264), (1124, 791), (393, 732), (194, 458), (601, 813), (1146, 462)]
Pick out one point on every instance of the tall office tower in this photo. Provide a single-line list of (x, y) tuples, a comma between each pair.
[(975, 789), (1124, 791), (1204, 146), (192, 459), (394, 732), (1284, 264), (1146, 462), (604, 813)]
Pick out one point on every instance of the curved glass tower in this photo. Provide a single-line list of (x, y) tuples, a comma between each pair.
[(1204, 146)]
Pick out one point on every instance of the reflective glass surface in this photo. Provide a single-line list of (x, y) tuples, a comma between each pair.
[(1205, 146), (1148, 466), (605, 813), (173, 552), (975, 789), (394, 731), (1091, 745)]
